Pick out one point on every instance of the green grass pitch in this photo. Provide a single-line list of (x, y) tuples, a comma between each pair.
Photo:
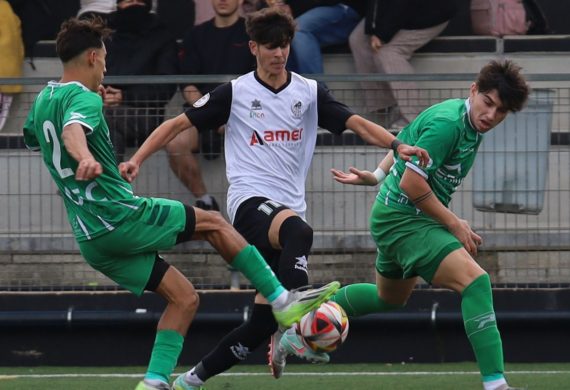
[(443, 376)]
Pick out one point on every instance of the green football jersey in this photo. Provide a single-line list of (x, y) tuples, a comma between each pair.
[(445, 131), (93, 207)]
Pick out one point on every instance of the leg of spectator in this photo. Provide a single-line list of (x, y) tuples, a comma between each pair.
[(183, 162), (320, 26), (394, 57), (375, 96)]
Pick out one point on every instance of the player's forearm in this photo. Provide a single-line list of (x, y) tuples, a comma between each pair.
[(387, 162), (370, 132), (420, 193), (75, 142), (161, 136)]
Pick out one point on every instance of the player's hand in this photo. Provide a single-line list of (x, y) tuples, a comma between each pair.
[(88, 169), (405, 152), (355, 177), (129, 170), (466, 236)]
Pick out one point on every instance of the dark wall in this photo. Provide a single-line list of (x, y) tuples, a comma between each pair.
[(37, 330)]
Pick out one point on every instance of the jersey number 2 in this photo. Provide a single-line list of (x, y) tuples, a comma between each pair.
[(49, 132)]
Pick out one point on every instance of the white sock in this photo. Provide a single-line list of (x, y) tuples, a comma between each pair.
[(193, 379), (281, 300), (493, 385)]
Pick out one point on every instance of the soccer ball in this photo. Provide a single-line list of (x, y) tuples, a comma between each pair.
[(325, 328)]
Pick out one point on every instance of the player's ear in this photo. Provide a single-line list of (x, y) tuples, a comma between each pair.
[(91, 57), (253, 47)]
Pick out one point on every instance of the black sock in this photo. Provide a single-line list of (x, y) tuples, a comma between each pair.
[(296, 239), (237, 344)]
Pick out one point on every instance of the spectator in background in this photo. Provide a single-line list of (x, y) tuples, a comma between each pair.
[(139, 46), (218, 46), (320, 23), (204, 12), (12, 54), (101, 8), (385, 41)]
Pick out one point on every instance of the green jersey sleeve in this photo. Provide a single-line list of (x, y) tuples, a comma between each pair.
[(439, 138), (85, 109)]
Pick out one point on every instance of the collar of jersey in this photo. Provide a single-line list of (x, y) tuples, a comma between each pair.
[(269, 87)]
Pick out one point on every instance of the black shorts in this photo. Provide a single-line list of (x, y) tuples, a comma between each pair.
[(253, 220)]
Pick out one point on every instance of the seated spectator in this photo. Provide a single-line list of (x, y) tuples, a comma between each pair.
[(319, 24), (41, 20), (12, 54), (385, 41), (218, 46), (139, 46), (97, 8)]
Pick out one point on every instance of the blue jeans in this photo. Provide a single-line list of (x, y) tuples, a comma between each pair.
[(316, 28)]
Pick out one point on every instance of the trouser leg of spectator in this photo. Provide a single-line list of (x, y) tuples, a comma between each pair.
[(183, 162), (318, 27), (376, 94), (394, 57)]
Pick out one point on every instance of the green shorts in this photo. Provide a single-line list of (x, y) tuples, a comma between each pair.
[(408, 244), (127, 254)]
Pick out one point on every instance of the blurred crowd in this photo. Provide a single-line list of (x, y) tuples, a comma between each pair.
[(166, 37)]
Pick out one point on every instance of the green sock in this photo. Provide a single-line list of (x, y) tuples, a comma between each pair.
[(481, 327), (360, 299), (250, 263), (167, 348)]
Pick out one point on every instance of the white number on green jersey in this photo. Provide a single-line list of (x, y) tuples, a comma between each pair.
[(49, 130)]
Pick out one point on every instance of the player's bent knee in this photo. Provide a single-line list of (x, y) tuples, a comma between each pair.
[(294, 229), (190, 303)]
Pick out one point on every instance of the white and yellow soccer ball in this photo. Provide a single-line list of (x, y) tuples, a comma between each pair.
[(324, 328)]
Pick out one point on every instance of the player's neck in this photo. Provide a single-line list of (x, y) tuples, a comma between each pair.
[(71, 75), (275, 81)]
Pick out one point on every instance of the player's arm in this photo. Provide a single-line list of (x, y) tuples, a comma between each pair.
[(336, 117), (209, 112), (418, 190), (162, 135), (375, 134), (365, 178), (75, 142)]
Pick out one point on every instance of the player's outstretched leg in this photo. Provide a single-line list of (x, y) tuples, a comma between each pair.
[(290, 343), (288, 306)]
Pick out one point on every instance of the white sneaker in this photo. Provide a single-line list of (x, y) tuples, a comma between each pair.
[(152, 384), (277, 356)]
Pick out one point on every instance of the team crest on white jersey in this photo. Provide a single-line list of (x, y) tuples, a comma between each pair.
[(256, 110), (203, 100), (256, 105), (297, 108)]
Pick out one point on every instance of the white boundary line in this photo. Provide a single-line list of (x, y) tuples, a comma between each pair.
[(236, 374)]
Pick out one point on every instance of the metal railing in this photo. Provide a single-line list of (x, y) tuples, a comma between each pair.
[(532, 248)]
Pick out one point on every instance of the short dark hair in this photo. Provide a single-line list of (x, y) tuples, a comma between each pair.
[(270, 26), (504, 76), (75, 36)]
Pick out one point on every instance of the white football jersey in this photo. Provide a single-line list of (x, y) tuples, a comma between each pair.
[(270, 135)]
